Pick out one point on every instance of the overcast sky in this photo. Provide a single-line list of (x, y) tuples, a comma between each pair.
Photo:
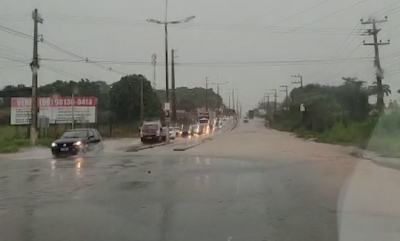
[(271, 37)]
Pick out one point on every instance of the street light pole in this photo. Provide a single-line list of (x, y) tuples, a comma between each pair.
[(166, 23)]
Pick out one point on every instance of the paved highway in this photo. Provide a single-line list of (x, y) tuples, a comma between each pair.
[(247, 184)]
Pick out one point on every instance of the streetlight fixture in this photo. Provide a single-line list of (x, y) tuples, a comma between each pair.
[(166, 23)]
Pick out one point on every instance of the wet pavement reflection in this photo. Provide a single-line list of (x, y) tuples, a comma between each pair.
[(143, 197)]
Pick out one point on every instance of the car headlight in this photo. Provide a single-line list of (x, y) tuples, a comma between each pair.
[(78, 143), (53, 144)]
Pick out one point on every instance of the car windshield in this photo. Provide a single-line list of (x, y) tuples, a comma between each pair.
[(108, 83), (75, 134)]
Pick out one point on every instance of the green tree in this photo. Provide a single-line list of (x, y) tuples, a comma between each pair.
[(196, 95), (186, 105), (125, 99)]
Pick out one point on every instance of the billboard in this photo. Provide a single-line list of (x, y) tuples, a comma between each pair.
[(57, 108)]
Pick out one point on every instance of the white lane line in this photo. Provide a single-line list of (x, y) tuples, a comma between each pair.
[(229, 238)]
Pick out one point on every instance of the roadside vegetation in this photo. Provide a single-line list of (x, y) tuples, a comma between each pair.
[(341, 115), (12, 139)]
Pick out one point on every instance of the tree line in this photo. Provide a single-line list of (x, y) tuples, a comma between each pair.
[(340, 114), (118, 102)]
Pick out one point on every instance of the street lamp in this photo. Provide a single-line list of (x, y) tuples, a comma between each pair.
[(166, 23)]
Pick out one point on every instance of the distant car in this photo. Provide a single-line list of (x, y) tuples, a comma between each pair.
[(77, 141), (199, 129), (224, 119), (152, 131), (186, 131), (172, 133), (246, 120)]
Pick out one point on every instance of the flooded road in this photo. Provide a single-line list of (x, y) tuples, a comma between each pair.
[(243, 185)]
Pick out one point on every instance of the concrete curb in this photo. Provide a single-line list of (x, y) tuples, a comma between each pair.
[(139, 148), (193, 145), (188, 147)]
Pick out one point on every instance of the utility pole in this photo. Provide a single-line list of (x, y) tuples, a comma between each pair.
[(275, 95), (285, 90), (207, 93), (166, 23), (154, 63), (35, 68), (233, 100), (218, 107), (237, 104), (141, 100), (173, 104), (267, 106), (379, 74), (286, 102), (229, 104), (298, 82)]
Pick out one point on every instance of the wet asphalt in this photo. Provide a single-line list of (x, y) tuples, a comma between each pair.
[(176, 197)]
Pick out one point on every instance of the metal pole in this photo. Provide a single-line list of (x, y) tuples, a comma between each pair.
[(173, 93), (73, 109), (166, 76), (141, 100), (207, 94)]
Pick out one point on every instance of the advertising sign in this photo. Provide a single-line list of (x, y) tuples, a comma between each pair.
[(57, 108)]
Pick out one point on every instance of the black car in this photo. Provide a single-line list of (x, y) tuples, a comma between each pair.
[(77, 141)]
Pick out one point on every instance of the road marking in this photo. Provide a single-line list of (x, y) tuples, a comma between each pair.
[(229, 238)]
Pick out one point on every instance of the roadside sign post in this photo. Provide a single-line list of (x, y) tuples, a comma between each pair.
[(57, 108), (303, 113)]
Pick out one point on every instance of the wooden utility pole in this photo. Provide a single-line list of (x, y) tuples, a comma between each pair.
[(286, 101), (379, 74), (275, 95), (298, 82), (35, 68), (141, 99), (229, 103), (237, 104), (233, 100), (173, 99), (207, 94), (154, 63)]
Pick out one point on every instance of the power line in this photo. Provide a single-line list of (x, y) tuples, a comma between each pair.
[(57, 48), (206, 63), (299, 13), (328, 16)]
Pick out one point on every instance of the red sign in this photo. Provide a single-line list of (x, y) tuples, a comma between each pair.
[(55, 101)]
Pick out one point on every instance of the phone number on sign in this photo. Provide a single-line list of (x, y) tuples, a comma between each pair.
[(66, 102)]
